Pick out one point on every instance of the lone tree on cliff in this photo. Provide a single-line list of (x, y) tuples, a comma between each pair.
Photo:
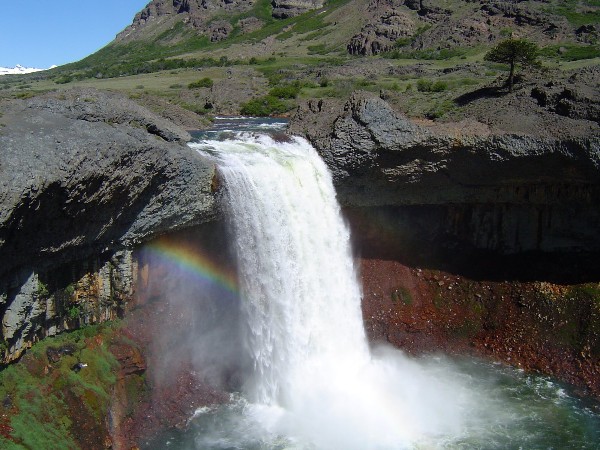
[(512, 52)]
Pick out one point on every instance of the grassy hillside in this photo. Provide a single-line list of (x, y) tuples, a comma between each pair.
[(434, 55)]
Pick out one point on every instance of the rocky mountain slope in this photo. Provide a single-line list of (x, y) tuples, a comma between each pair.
[(210, 17), (383, 24), (424, 29)]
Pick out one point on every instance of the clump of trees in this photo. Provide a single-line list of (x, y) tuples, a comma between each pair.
[(513, 52)]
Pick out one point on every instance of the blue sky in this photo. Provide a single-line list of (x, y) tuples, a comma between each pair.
[(40, 33)]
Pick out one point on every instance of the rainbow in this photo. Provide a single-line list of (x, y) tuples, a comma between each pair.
[(192, 261)]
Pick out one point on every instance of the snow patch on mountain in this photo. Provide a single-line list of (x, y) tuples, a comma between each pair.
[(19, 69)]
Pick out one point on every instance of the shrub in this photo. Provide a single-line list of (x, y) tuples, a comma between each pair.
[(286, 91), (264, 106), (42, 289), (25, 95), (202, 83), (73, 312), (70, 290), (64, 79), (424, 85)]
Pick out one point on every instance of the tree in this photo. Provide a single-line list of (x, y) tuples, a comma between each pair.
[(512, 52)]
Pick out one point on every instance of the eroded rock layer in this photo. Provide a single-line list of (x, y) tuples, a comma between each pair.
[(501, 192)]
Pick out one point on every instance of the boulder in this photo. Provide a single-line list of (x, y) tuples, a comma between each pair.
[(85, 170)]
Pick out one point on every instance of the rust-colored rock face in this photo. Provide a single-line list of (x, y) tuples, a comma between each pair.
[(537, 326)]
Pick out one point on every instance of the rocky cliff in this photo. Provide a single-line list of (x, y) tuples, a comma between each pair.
[(470, 238), (497, 191), (209, 17), (423, 24), (84, 177)]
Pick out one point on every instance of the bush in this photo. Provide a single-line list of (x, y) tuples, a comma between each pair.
[(286, 91), (73, 312), (202, 83), (264, 106), (42, 289), (63, 79), (424, 85), (70, 290)]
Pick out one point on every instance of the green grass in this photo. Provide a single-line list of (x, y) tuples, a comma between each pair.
[(569, 10), (428, 54), (570, 52), (37, 390)]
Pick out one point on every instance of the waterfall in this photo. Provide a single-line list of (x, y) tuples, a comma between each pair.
[(315, 381), (301, 295)]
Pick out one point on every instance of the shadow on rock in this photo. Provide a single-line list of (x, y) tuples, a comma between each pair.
[(478, 94)]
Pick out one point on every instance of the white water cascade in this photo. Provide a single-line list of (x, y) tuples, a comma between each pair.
[(316, 384)]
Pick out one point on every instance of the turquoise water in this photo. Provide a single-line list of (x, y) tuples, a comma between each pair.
[(524, 411)]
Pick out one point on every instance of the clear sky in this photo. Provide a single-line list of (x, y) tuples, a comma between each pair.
[(40, 33)]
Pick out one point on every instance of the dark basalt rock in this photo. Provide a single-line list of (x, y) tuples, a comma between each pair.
[(87, 170), (381, 35), (283, 9), (577, 97), (85, 176), (500, 192)]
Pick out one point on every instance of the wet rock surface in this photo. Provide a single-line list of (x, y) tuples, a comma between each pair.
[(175, 332)]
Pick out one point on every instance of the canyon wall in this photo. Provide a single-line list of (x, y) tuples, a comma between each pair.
[(459, 184), (85, 177), (469, 240)]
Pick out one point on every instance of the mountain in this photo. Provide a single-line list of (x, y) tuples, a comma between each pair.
[(214, 18), (401, 29), (19, 69), (330, 48), (374, 26)]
